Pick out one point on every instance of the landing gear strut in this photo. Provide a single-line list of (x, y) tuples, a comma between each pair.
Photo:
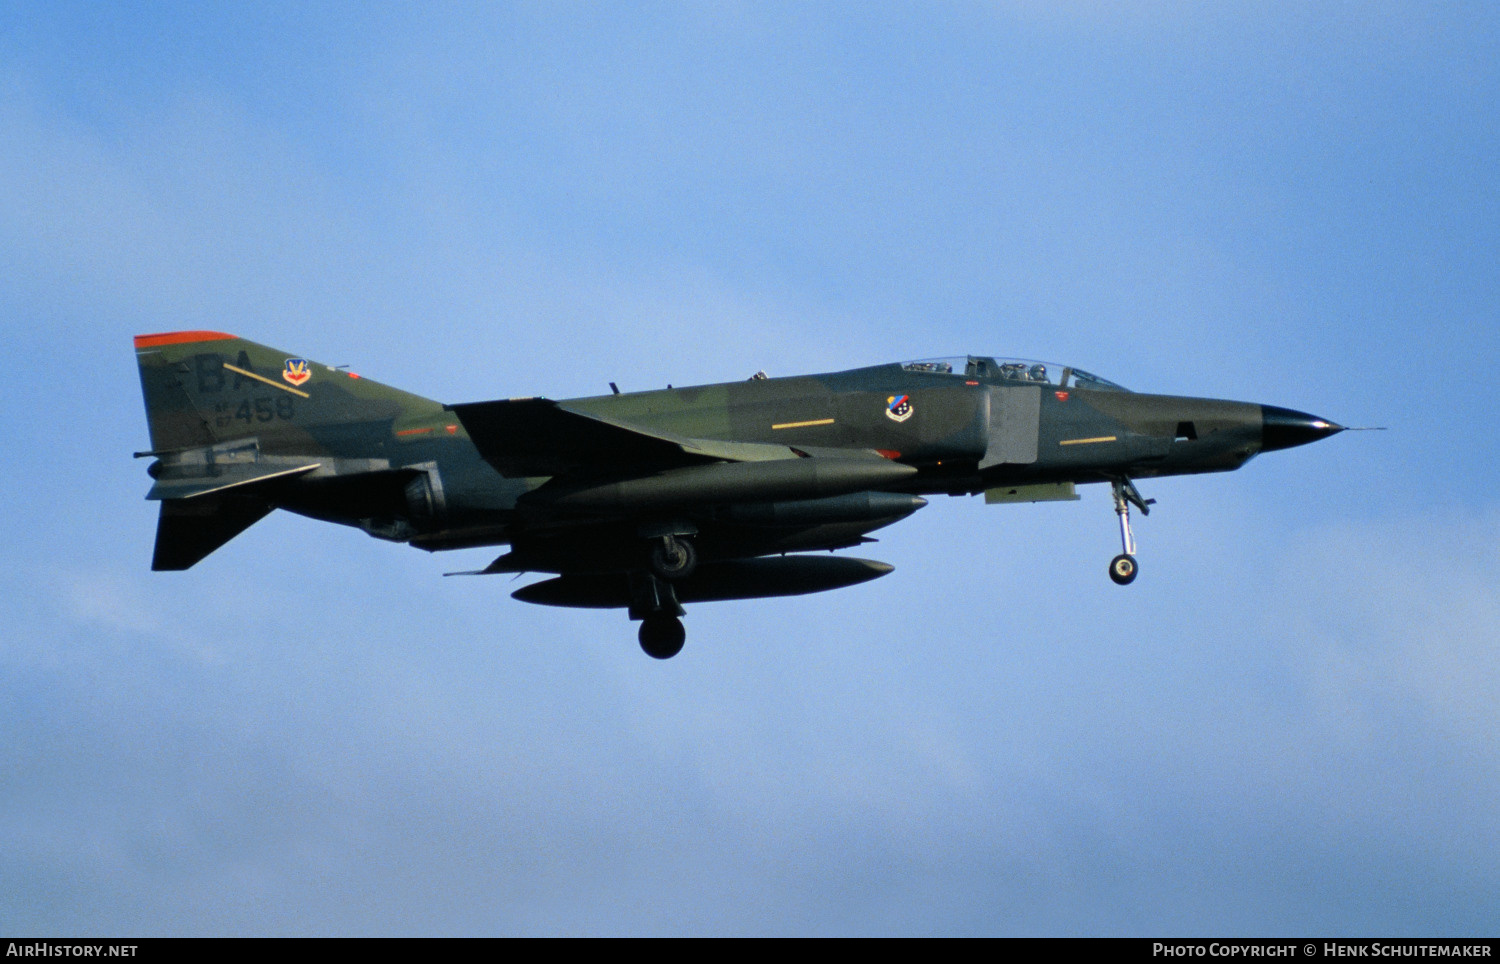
[(1123, 568)]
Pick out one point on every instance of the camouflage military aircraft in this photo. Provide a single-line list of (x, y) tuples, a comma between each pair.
[(648, 500)]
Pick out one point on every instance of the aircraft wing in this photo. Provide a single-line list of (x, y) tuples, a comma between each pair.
[(538, 436)]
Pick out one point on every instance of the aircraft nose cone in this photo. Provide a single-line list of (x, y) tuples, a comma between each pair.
[(1282, 428)]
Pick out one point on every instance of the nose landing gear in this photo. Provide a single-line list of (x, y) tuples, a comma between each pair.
[(1123, 568)]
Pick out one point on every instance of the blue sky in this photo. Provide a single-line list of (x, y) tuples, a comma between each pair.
[(1285, 726)]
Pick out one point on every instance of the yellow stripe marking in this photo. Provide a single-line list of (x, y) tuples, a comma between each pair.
[(262, 378), (816, 421), (1088, 441)]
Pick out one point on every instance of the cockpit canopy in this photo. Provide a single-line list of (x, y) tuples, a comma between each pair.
[(984, 368)]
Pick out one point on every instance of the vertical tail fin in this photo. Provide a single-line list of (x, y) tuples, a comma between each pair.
[(206, 387), (233, 422)]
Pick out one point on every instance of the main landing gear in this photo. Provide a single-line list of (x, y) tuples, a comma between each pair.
[(1123, 568), (673, 557), (662, 636), (653, 601)]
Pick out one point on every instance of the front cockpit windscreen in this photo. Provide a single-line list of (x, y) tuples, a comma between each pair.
[(987, 369)]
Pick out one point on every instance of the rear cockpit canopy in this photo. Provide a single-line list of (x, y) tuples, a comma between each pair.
[(1005, 370)]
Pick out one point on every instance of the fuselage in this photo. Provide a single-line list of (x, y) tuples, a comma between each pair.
[(963, 431)]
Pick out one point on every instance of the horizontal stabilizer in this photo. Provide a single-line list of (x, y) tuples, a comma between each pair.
[(737, 579), (190, 529), (224, 478)]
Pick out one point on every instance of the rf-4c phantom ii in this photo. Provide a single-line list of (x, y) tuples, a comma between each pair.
[(649, 500)]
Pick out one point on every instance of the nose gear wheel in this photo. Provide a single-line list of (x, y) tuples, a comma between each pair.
[(1123, 568)]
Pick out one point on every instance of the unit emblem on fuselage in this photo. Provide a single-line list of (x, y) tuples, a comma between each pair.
[(898, 408)]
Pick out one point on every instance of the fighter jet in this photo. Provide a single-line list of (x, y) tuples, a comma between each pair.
[(647, 501)]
